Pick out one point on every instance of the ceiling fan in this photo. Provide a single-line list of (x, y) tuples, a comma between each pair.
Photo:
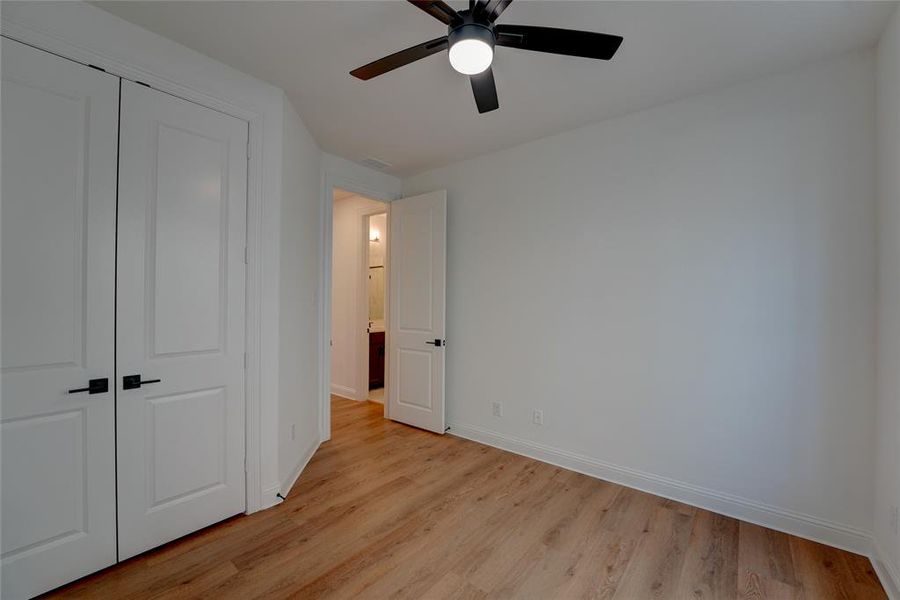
[(472, 35)]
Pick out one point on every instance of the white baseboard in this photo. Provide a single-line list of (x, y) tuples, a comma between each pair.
[(788, 521), (887, 572), (288, 483), (343, 391)]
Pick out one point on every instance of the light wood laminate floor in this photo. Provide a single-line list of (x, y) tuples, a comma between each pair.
[(388, 511)]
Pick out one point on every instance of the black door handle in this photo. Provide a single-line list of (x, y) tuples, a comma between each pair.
[(95, 386), (437, 343), (132, 382)]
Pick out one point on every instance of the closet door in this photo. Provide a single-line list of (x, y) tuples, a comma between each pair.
[(180, 318), (59, 123)]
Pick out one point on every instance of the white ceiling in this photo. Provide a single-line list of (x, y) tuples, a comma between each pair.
[(423, 115)]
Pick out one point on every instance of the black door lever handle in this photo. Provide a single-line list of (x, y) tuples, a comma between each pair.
[(95, 386), (437, 342), (132, 382)]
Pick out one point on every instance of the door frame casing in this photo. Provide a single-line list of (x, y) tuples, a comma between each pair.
[(362, 305), (331, 180), (54, 44)]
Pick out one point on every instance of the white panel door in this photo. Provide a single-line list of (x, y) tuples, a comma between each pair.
[(417, 238), (180, 318), (59, 124)]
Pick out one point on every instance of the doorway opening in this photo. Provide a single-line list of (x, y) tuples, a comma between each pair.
[(359, 297)]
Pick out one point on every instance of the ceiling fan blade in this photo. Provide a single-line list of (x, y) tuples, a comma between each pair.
[(485, 91), (491, 8), (441, 11), (399, 59), (558, 41)]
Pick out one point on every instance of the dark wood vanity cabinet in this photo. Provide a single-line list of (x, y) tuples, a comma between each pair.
[(376, 360)]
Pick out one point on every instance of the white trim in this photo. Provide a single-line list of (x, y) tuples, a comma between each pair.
[(270, 497), (291, 479), (387, 315), (344, 392), (887, 573), (792, 522), (330, 180), (67, 48)]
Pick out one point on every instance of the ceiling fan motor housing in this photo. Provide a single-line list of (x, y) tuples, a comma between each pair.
[(470, 29)]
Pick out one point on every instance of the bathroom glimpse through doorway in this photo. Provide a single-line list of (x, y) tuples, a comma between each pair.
[(359, 299), (376, 293)]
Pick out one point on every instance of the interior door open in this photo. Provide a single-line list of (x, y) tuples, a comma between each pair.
[(180, 318), (417, 306)]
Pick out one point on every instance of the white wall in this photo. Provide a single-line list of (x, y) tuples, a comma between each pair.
[(348, 295), (687, 292), (887, 490), (376, 249), (301, 259)]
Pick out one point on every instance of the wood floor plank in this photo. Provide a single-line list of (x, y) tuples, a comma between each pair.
[(767, 553), (552, 563), (436, 517), (824, 573), (655, 569), (451, 587), (710, 568), (460, 534), (599, 571), (862, 570), (385, 511), (753, 586)]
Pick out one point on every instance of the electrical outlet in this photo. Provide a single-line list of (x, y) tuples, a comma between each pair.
[(497, 409), (293, 432), (895, 520), (537, 417)]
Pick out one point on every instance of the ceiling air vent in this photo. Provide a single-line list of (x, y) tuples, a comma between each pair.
[(374, 163)]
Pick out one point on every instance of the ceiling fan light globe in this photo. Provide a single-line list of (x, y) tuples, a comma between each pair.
[(471, 57)]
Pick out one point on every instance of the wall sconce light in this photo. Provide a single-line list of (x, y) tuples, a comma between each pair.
[(374, 235)]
